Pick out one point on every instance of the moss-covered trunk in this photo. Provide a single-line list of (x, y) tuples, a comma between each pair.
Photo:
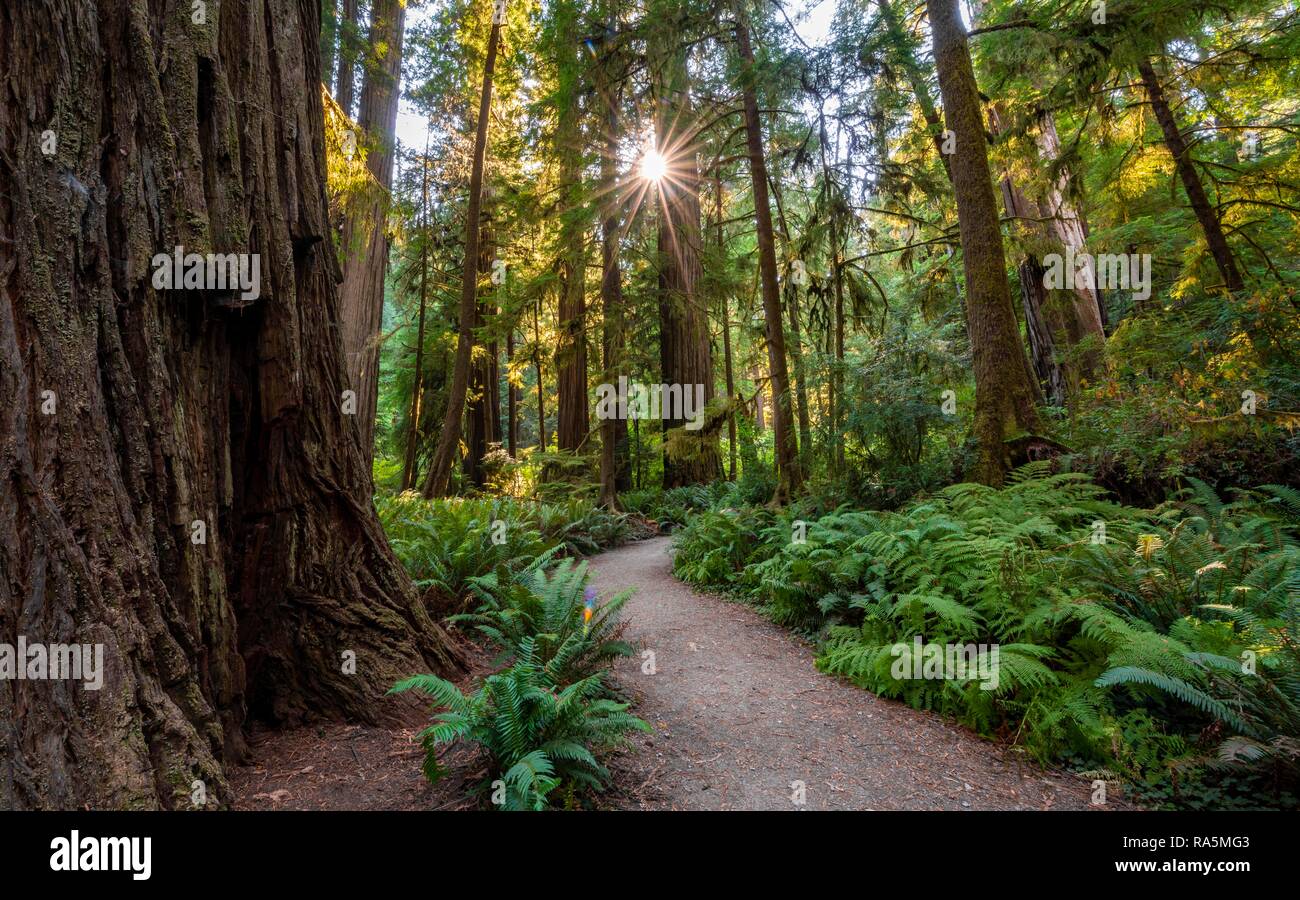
[(1004, 394)]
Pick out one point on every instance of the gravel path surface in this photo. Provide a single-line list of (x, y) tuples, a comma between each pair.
[(743, 720)]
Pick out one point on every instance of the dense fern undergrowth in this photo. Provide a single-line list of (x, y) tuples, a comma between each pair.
[(505, 569), (1159, 647), (1156, 647)]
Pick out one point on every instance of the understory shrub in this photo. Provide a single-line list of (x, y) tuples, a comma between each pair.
[(538, 734), (672, 508), (446, 544), (573, 636), (545, 718)]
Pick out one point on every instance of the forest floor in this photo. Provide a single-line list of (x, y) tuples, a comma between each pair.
[(741, 719)]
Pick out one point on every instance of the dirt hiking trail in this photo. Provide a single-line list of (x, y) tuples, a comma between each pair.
[(742, 718)]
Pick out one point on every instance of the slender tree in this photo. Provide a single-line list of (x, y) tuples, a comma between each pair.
[(789, 473), (512, 398), (438, 481), (1215, 239), (417, 382), (724, 313)]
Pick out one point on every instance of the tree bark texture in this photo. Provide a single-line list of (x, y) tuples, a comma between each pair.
[(176, 409)]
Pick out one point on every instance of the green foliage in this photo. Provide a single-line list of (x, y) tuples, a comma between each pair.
[(447, 544), (672, 508), (543, 719), (1220, 583), (715, 546), (549, 611), (1122, 647), (539, 734)]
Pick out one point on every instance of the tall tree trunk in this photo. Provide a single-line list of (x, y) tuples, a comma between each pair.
[(725, 314), (789, 474), (1044, 323), (537, 363), (417, 383), (439, 478), (837, 379), (329, 40), (482, 406), (1210, 225), (1033, 293), (1052, 322), (613, 428), (684, 351), (345, 80), (179, 480), (1004, 394), (571, 348), (636, 452), (1071, 229), (365, 236), (791, 293), (512, 399)]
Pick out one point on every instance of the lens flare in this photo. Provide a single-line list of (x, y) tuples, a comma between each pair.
[(653, 166)]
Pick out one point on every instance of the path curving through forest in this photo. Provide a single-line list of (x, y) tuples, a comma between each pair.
[(741, 718)]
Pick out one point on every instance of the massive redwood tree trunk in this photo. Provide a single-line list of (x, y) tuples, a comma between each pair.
[(482, 405), (1004, 395), (572, 420), (613, 428), (128, 414), (345, 80)]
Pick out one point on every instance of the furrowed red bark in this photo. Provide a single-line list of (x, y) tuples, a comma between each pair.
[(345, 81), (128, 413), (684, 351), (572, 412), (483, 407), (613, 429)]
